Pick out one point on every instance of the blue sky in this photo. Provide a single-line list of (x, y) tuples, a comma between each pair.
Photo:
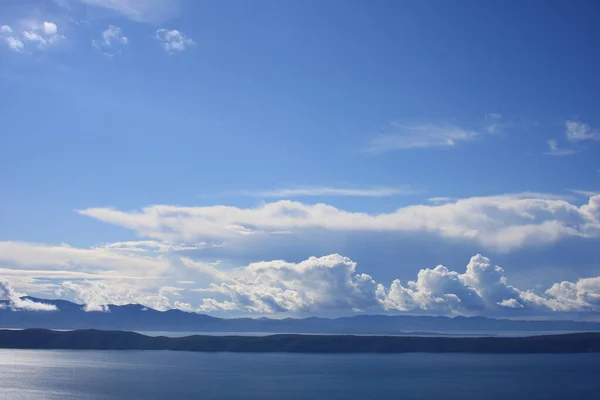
[(150, 143)]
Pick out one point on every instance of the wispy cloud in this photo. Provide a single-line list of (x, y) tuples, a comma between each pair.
[(17, 302), (112, 40), (173, 41), (402, 136), (555, 150), (440, 200), (137, 10), (333, 191), (578, 131), (408, 136)]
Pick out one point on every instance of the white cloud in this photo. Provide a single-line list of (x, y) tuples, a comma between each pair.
[(98, 296), (112, 40), (419, 136), (503, 223), (173, 40), (140, 10), (331, 283), (316, 284), (113, 273), (16, 302), (332, 191), (43, 34), (578, 131), (13, 42), (481, 287), (555, 150), (40, 34), (102, 260), (49, 28)]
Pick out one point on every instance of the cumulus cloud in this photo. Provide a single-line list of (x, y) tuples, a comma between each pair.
[(17, 302), (34, 33), (332, 283), (316, 284), (42, 34), (481, 287), (173, 41), (328, 284), (112, 40), (502, 223)]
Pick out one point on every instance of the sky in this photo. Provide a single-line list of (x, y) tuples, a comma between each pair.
[(286, 158)]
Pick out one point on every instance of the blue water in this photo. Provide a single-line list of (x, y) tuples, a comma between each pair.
[(46, 374)]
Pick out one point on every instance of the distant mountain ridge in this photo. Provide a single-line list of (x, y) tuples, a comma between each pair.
[(140, 318)]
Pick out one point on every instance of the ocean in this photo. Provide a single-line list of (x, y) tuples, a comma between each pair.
[(69, 374)]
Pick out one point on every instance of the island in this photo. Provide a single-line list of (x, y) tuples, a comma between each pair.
[(92, 339)]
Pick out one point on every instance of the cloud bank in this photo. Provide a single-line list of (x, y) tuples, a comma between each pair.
[(501, 223), (333, 283)]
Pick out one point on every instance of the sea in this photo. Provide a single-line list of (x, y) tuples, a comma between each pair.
[(89, 374)]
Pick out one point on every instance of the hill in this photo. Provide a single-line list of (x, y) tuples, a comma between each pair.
[(135, 317), (119, 340)]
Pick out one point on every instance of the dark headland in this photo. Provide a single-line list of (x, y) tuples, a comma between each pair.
[(122, 340)]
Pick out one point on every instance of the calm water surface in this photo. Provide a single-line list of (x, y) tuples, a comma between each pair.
[(68, 374)]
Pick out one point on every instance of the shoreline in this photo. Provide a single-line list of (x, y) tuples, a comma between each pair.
[(297, 343)]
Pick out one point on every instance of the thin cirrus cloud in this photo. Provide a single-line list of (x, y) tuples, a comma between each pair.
[(31, 35), (173, 41), (555, 150), (502, 223), (111, 41), (407, 136), (308, 191), (137, 10)]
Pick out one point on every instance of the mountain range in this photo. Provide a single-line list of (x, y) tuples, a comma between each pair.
[(136, 317)]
